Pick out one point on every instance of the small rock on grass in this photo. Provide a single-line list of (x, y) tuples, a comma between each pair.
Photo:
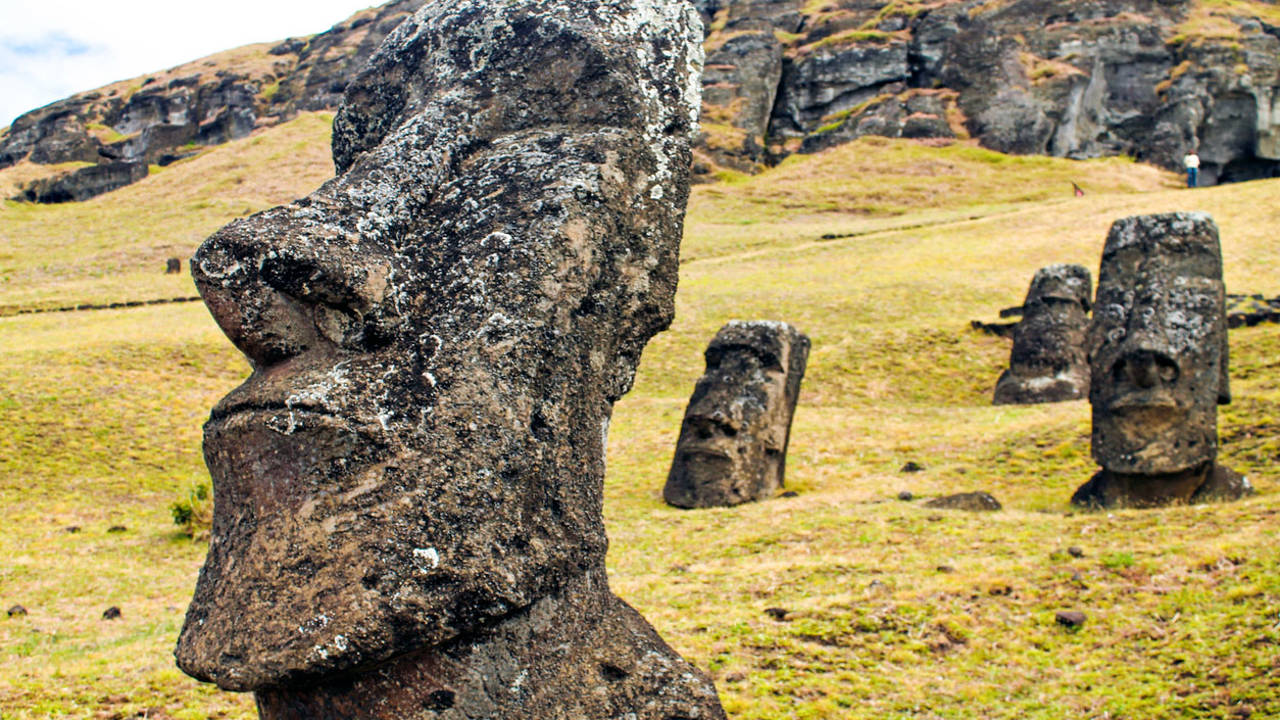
[(946, 569), (17, 611), (72, 530), (972, 502), (779, 614), (112, 613), (117, 529), (912, 467), (1075, 552), (906, 496), (1071, 618), (790, 494)]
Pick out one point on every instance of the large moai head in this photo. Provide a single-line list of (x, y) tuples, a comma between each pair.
[(438, 335), (1158, 345), (1048, 362), (733, 442)]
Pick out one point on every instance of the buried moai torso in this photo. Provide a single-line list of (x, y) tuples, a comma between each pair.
[(1158, 349), (733, 442), (1048, 362), (408, 518)]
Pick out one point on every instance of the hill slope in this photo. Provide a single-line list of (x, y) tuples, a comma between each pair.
[(100, 417)]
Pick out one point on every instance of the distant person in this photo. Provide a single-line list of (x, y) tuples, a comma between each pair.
[(1192, 163), (1077, 190)]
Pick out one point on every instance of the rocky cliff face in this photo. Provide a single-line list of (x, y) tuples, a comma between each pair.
[(163, 117), (1147, 78)]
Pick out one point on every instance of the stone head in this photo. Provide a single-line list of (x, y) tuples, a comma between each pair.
[(1054, 317), (437, 336), (733, 442), (1048, 362), (1158, 345)]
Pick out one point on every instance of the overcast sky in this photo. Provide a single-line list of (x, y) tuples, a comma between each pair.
[(50, 49)]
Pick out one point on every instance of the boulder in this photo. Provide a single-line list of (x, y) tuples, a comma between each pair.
[(410, 484), (733, 441)]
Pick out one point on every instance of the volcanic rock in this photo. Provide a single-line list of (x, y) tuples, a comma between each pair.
[(409, 518), (733, 442), (1048, 362), (1159, 354), (972, 502), (1071, 618), (83, 183)]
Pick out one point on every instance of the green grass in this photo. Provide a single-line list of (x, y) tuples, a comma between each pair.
[(100, 416)]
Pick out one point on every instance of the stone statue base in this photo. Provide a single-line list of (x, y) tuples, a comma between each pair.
[(532, 664), (1207, 483)]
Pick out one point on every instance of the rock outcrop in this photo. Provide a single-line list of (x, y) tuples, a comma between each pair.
[(1048, 362), (169, 115), (84, 183), (409, 486), (1159, 354), (733, 441), (1146, 78)]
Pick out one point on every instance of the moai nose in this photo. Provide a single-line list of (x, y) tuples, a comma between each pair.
[(712, 425), (266, 325), (1142, 371), (1146, 369)]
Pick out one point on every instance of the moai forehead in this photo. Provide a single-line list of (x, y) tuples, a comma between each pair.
[(1158, 344), (1072, 283), (438, 334)]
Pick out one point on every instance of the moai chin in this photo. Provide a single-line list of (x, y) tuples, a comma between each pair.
[(1048, 362), (733, 442), (408, 518), (1158, 349)]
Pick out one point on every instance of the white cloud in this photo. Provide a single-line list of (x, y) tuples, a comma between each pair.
[(50, 49)]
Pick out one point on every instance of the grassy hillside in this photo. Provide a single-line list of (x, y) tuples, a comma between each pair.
[(100, 417)]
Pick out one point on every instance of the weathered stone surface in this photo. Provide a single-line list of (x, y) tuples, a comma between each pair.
[(1048, 362), (733, 442), (409, 486), (1159, 355), (84, 183), (971, 502), (561, 658)]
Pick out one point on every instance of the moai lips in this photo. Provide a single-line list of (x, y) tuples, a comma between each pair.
[(733, 443), (1158, 349), (1048, 362), (409, 485)]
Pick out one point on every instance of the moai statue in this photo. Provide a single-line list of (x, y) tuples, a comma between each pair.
[(1158, 348), (1048, 362), (733, 443), (173, 266), (408, 518)]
